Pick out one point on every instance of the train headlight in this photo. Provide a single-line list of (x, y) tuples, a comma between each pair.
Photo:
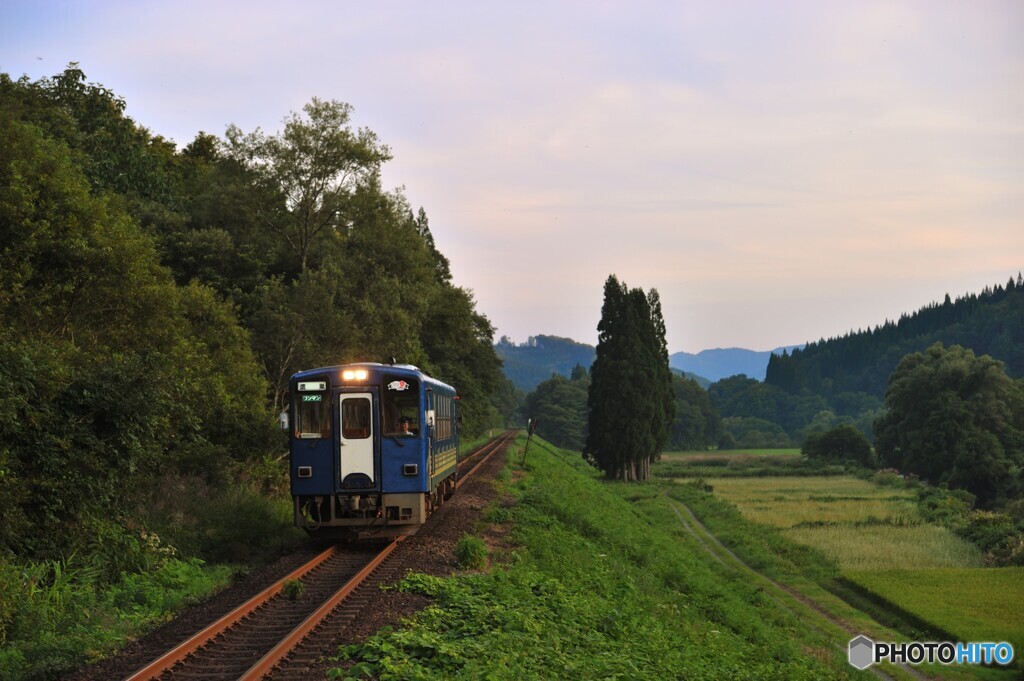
[(354, 374)]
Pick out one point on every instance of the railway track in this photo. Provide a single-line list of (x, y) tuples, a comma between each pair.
[(269, 636)]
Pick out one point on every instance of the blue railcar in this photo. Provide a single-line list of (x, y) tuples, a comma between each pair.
[(374, 448)]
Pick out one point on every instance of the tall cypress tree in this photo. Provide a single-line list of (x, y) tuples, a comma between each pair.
[(662, 392), (630, 402)]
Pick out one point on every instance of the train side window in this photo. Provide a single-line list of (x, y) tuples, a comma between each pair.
[(355, 418), (312, 416), (445, 418)]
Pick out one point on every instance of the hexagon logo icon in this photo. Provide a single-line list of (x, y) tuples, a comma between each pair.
[(862, 652)]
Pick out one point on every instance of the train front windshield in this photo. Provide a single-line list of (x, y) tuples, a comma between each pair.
[(401, 406), (313, 415)]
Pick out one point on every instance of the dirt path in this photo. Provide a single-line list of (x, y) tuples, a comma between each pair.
[(724, 555)]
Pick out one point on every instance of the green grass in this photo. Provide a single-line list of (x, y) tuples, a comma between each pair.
[(971, 604), (57, 615), (471, 552), (594, 589)]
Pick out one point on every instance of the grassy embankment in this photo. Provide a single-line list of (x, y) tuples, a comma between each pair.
[(593, 581), (868, 544)]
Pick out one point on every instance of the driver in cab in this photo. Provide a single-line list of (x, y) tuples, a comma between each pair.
[(405, 426)]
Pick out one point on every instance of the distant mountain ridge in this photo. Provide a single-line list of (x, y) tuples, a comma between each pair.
[(720, 363), (531, 363)]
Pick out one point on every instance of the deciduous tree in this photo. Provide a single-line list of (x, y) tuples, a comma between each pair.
[(842, 443), (955, 418), (315, 164)]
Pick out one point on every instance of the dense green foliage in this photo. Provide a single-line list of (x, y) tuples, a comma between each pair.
[(154, 302), (529, 364), (697, 424), (956, 419), (109, 370), (630, 402), (759, 414), (843, 380), (57, 614), (560, 406), (594, 587), (750, 432), (842, 443), (351, 273), (771, 463)]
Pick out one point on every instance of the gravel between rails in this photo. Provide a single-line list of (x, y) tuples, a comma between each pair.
[(431, 551)]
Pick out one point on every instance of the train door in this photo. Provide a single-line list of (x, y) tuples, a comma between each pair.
[(355, 440)]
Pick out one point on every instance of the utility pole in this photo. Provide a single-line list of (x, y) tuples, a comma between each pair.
[(531, 426)]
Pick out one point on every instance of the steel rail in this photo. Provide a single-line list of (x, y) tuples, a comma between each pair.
[(274, 656), (172, 657), (495, 444), (279, 652)]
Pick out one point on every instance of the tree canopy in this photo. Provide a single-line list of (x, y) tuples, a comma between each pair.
[(957, 419), (842, 443), (697, 424), (154, 301), (560, 406)]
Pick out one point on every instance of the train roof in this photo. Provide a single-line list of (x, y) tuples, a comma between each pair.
[(399, 369)]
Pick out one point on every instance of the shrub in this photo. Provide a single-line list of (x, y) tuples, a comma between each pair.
[(471, 552), (293, 589), (842, 443), (988, 529)]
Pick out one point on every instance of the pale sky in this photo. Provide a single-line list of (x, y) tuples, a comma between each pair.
[(779, 171)]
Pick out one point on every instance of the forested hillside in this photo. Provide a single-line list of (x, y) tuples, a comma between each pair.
[(529, 364), (990, 323), (154, 301), (843, 380), (560, 406)]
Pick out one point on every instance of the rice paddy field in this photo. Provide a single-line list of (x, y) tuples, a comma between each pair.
[(737, 463), (729, 455), (882, 547), (969, 604), (860, 525), (790, 501)]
